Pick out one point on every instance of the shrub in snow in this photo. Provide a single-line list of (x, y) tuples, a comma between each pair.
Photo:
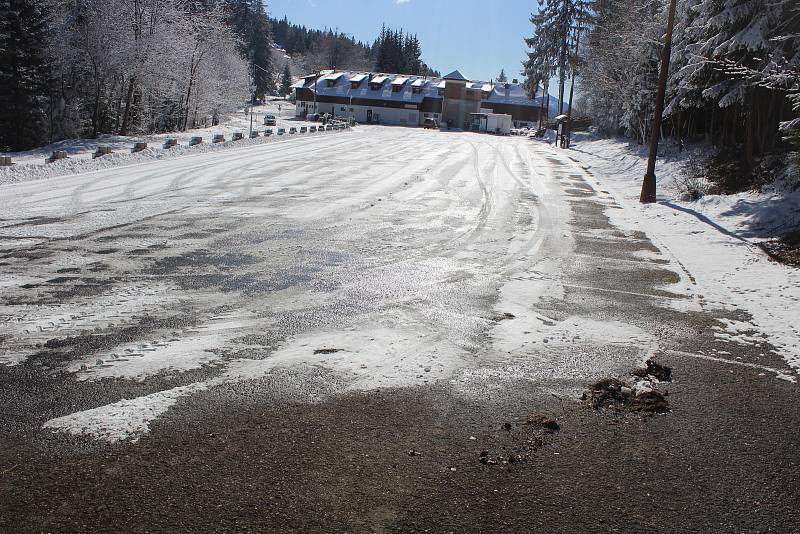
[(692, 185)]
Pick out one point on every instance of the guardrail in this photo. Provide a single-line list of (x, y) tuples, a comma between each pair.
[(102, 150), (172, 142), (56, 156)]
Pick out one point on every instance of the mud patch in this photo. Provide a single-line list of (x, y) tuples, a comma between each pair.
[(637, 393)]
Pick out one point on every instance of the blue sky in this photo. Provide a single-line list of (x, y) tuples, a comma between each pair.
[(477, 37)]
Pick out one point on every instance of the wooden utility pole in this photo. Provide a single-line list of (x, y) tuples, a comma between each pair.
[(573, 65), (252, 99), (649, 184)]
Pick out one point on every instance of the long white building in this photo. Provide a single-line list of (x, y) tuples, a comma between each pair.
[(397, 99)]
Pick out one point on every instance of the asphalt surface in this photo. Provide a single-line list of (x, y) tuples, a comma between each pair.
[(358, 333)]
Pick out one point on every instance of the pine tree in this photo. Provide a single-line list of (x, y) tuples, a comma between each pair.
[(261, 46), (413, 55), (552, 44), (399, 53), (382, 57), (249, 19), (735, 42), (286, 80), (23, 74), (502, 78)]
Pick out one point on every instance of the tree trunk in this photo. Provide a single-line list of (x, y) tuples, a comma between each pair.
[(96, 112), (128, 102), (192, 71)]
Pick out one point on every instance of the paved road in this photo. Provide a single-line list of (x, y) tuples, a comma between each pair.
[(325, 334)]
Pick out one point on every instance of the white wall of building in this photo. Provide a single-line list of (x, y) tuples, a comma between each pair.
[(379, 115), (499, 123)]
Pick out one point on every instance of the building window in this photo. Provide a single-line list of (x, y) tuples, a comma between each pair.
[(441, 92), (416, 90)]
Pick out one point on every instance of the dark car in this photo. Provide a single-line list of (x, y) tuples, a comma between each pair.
[(431, 124)]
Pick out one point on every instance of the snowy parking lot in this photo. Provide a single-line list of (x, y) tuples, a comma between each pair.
[(141, 302)]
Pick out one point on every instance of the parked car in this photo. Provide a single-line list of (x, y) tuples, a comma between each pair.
[(430, 124), (313, 117), (269, 120)]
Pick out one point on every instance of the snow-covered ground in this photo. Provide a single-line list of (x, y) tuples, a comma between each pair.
[(31, 164), (382, 258), (713, 238)]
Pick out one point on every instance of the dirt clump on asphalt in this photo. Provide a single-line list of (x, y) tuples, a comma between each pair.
[(637, 393), (662, 373), (622, 395)]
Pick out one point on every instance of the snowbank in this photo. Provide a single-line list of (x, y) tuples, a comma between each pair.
[(748, 215), (30, 164)]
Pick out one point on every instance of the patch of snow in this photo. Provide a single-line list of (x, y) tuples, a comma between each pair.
[(125, 419), (366, 358)]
